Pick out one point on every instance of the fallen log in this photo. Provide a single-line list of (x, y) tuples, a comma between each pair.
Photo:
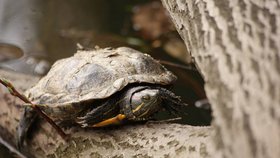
[(142, 140)]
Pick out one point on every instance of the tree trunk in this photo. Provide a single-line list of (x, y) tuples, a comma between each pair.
[(236, 44), (148, 140)]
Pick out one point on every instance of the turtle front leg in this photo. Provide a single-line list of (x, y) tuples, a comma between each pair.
[(171, 102), (26, 121), (106, 114)]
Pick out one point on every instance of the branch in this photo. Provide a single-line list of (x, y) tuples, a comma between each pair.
[(150, 139), (15, 93)]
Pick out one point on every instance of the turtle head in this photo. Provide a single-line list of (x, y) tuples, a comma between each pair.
[(142, 103)]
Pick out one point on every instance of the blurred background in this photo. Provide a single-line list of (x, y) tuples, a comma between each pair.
[(36, 33)]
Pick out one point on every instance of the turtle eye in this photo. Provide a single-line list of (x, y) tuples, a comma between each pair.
[(146, 97)]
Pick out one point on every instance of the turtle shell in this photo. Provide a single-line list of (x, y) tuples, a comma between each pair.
[(97, 74)]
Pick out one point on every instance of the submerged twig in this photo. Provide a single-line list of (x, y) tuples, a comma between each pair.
[(15, 93)]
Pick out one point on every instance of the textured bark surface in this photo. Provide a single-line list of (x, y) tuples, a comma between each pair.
[(148, 140), (236, 45)]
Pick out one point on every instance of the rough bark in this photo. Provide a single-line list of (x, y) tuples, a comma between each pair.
[(236, 45), (148, 140)]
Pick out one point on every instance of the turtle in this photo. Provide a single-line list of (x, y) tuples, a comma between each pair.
[(102, 87)]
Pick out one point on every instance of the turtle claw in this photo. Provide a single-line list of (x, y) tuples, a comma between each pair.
[(91, 117), (172, 103), (25, 123), (81, 121), (107, 110)]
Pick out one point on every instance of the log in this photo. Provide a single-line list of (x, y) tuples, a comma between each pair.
[(236, 44), (141, 140)]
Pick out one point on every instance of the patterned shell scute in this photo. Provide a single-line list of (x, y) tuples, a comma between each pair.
[(97, 74)]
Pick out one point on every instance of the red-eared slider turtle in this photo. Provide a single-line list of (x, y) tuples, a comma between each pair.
[(101, 87)]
